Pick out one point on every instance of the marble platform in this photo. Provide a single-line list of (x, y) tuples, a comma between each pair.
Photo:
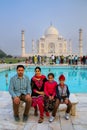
[(7, 122)]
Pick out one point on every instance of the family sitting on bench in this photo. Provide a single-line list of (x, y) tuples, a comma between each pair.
[(44, 94)]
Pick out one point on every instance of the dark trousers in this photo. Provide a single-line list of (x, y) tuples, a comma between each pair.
[(27, 105), (49, 104), (57, 103)]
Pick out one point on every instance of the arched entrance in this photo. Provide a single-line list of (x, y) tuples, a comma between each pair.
[(51, 48)]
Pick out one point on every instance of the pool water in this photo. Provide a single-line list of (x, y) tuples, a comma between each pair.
[(76, 77)]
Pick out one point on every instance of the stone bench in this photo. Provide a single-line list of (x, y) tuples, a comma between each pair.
[(74, 102), (62, 107)]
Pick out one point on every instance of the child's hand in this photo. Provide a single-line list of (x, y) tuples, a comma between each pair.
[(66, 101), (50, 97)]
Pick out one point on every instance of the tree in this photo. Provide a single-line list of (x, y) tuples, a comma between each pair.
[(2, 54)]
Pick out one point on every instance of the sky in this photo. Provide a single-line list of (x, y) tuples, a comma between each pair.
[(35, 16)]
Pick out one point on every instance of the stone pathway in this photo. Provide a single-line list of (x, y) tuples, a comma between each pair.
[(78, 122)]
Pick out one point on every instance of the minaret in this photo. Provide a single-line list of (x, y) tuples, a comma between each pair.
[(80, 43), (23, 43), (33, 47), (70, 47)]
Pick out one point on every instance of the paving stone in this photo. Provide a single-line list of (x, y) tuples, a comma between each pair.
[(65, 124), (7, 122), (80, 127)]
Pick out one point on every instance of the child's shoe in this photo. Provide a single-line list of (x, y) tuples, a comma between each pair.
[(51, 119), (67, 116)]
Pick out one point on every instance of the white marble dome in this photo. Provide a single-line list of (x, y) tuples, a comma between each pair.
[(51, 31)]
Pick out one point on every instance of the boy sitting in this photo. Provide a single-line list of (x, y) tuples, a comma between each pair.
[(62, 96)]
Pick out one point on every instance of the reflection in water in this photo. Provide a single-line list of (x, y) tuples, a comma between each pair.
[(49, 70), (83, 75), (9, 69), (72, 74), (6, 76), (76, 77)]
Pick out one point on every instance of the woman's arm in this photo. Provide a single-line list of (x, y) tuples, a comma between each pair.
[(38, 92)]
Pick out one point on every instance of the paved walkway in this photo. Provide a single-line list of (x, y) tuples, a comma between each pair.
[(78, 122)]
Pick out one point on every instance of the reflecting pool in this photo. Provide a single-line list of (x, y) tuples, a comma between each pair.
[(76, 77)]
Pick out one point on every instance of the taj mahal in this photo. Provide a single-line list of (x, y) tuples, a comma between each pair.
[(51, 43)]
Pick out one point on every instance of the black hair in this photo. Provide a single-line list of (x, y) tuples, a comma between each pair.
[(38, 68), (51, 74), (20, 66)]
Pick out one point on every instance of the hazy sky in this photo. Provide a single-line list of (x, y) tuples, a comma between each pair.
[(35, 16)]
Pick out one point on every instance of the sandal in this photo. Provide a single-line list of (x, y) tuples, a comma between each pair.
[(40, 120)]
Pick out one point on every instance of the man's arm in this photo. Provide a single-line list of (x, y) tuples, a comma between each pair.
[(28, 86), (11, 88)]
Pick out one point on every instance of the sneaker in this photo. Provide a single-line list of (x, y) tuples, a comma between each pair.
[(67, 116), (51, 119), (47, 114), (25, 118), (17, 118)]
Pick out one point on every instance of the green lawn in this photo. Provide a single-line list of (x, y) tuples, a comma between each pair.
[(12, 60)]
